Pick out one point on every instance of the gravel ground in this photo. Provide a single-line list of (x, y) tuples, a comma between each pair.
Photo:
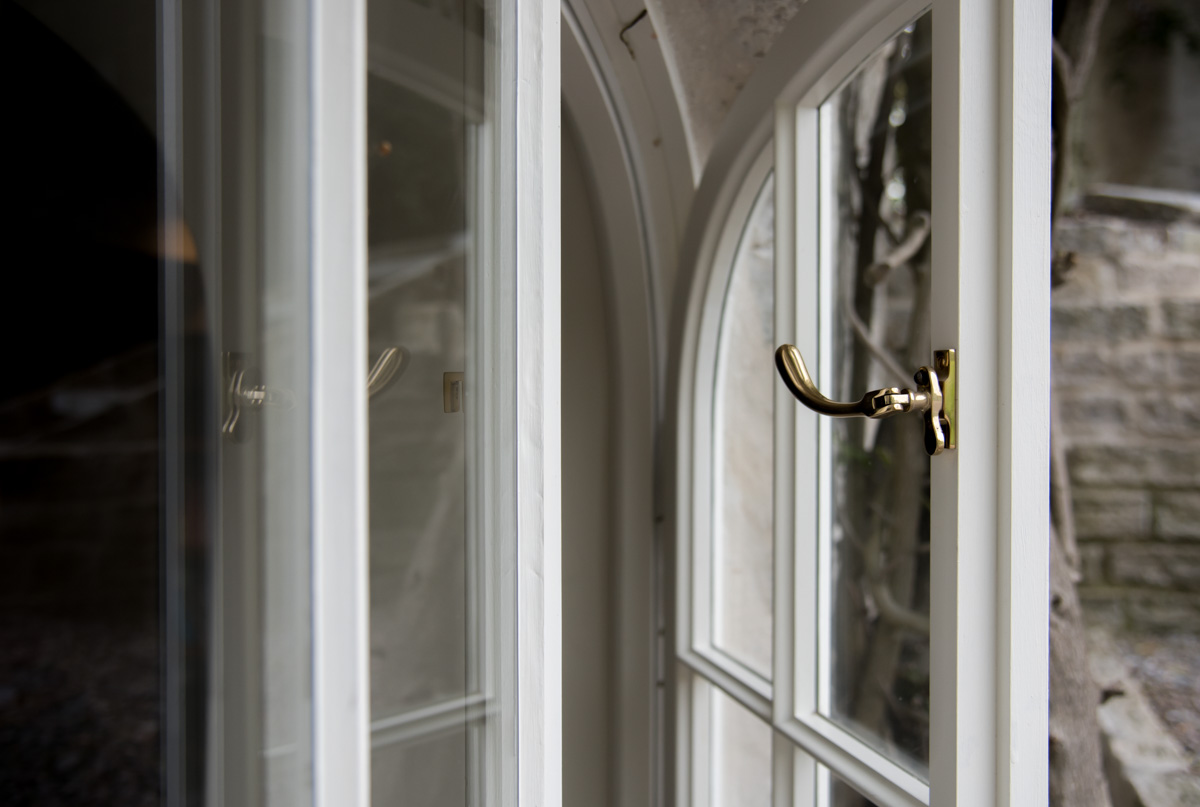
[(1168, 668), (78, 714)]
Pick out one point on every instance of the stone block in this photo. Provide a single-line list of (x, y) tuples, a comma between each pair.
[(1115, 367), (1145, 764), (1181, 319), (1111, 513), (1099, 323), (1092, 278), (1079, 365), (1083, 235), (1155, 566), (1173, 465), (1133, 238), (1171, 789), (1136, 203), (1140, 366), (1102, 605), (1185, 366), (1177, 515), (1171, 414), (1184, 237), (1168, 611), (1093, 414), (1093, 559), (1171, 273)]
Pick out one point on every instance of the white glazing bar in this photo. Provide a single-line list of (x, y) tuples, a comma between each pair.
[(755, 699), (867, 770), (793, 772), (341, 686), (1023, 291), (538, 460), (802, 531), (824, 274)]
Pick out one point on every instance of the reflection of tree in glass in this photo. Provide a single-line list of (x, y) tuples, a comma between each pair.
[(880, 625)]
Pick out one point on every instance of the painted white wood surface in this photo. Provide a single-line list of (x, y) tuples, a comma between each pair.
[(535, 84), (341, 683), (990, 302), (990, 515)]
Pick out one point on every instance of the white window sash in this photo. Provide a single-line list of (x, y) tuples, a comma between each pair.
[(989, 666)]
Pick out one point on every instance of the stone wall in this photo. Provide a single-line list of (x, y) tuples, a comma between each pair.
[(1127, 378)]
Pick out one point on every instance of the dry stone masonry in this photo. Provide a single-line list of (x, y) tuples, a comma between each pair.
[(1126, 333)]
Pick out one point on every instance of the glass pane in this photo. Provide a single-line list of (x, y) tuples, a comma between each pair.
[(741, 754), (428, 771), (155, 643), (417, 259), (81, 683), (430, 153), (875, 134), (743, 428), (841, 794)]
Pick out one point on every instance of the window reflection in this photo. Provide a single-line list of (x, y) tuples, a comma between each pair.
[(876, 134)]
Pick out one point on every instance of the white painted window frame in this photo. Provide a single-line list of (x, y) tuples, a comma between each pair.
[(989, 641), (519, 484), (340, 596)]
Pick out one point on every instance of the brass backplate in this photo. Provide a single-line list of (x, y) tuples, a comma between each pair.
[(452, 392), (946, 365)]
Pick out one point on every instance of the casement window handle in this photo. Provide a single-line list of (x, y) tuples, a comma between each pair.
[(241, 395), (386, 370), (934, 396)]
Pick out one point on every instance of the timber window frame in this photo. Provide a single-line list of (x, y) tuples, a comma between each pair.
[(989, 516)]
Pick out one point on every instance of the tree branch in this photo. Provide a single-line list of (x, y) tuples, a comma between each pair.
[(918, 232), (877, 350), (1088, 48)]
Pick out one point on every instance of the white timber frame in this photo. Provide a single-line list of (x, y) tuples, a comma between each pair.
[(990, 610), (514, 705), (530, 79), (340, 538), (428, 54), (518, 435)]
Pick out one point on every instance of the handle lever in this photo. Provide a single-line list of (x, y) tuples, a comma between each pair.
[(240, 394), (386, 370), (934, 396)]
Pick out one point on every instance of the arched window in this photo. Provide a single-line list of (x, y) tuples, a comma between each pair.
[(859, 622)]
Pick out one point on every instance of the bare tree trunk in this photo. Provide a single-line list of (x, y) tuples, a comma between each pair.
[(1076, 757)]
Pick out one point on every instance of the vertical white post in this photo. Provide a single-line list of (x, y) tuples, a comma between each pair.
[(990, 503), (1023, 291), (538, 361), (964, 483), (341, 684)]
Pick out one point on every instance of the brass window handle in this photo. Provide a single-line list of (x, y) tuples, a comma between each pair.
[(934, 396)]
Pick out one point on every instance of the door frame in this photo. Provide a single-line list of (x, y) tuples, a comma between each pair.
[(989, 666)]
